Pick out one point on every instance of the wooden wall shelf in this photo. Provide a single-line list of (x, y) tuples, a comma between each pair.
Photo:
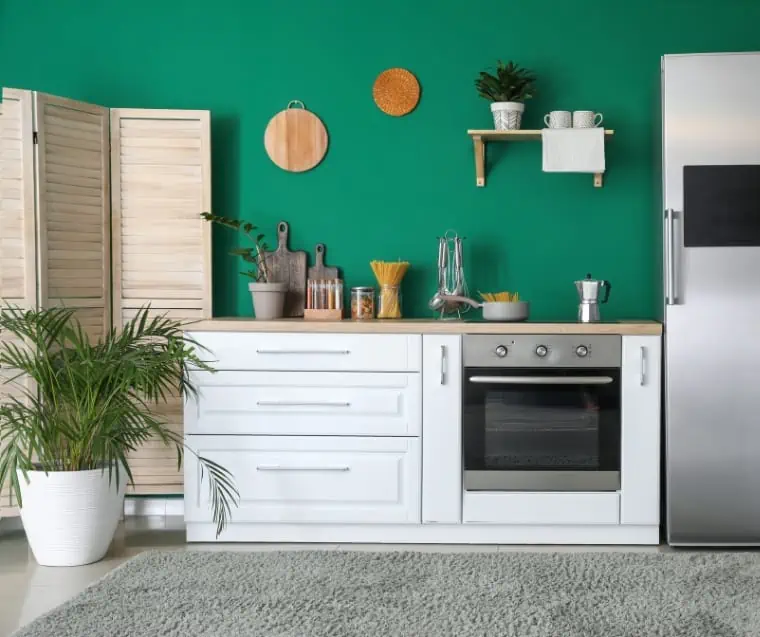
[(480, 139)]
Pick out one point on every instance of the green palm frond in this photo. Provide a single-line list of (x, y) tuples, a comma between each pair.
[(91, 403)]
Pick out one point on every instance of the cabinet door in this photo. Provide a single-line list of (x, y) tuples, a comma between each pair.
[(640, 459), (442, 429)]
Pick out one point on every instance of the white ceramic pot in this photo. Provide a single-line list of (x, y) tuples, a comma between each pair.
[(507, 115), (268, 300), (70, 517)]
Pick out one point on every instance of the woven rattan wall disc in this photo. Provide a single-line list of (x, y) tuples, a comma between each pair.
[(396, 92)]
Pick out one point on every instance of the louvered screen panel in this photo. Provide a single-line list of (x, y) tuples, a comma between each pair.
[(160, 162), (161, 183), (154, 466), (74, 208), (9, 387), (17, 229)]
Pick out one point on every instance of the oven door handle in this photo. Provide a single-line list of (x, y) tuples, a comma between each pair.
[(541, 380)]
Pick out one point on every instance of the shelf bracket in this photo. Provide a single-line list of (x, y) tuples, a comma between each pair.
[(598, 180), (480, 160)]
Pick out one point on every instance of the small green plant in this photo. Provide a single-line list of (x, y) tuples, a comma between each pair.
[(253, 255), (511, 83)]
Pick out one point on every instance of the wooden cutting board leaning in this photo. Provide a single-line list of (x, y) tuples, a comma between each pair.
[(319, 270), (288, 266)]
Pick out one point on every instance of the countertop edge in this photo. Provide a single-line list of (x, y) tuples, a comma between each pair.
[(422, 326)]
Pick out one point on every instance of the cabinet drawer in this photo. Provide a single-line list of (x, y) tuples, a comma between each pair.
[(305, 403), (302, 479), (541, 507), (312, 352)]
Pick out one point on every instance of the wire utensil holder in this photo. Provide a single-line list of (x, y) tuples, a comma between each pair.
[(451, 277)]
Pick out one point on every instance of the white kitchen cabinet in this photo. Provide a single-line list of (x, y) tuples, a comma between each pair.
[(305, 403), (343, 437), (640, 453), (441, 429), (295, 479)]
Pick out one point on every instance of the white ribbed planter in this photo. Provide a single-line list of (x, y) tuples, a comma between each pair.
[(507, 115), (70, 517)]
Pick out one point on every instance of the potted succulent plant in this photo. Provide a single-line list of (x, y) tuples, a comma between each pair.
[(72, 411), (507, 90), (268, 296)]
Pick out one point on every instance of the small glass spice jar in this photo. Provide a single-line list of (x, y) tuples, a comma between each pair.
[(362, 303)]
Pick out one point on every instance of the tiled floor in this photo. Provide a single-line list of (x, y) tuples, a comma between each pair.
[(28, 590)]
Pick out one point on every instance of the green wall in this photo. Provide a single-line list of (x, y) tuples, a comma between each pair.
[(388, 187)]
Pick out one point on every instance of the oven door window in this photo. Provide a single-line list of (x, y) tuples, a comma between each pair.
[(543, 426)]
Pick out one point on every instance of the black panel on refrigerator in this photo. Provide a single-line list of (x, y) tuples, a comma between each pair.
[(721, 206)]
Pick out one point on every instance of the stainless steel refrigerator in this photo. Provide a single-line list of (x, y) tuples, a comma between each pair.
[(711, 236)]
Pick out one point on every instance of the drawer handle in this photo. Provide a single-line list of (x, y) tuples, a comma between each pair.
[(339, 352), (280, 468), (296, 403)]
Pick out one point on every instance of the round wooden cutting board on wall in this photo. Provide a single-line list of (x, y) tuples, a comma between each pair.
[(396, 92), (295, 139)]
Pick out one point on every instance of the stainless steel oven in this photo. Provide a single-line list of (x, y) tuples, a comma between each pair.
[(541, 412)]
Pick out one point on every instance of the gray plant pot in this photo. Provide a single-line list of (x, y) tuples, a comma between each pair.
[(268, 300)]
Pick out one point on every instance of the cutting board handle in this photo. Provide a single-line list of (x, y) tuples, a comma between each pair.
[(282, 235), (319, 251)]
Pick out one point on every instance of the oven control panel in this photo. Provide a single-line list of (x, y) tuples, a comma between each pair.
[(542, 350)]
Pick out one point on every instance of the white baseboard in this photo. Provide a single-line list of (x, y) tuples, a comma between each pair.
[(154, 506), (427, 533)]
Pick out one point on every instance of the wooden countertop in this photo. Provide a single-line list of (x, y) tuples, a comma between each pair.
[(424, 326)]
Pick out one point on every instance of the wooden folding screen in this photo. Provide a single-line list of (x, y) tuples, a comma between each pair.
[(63, 165), (161, 182)]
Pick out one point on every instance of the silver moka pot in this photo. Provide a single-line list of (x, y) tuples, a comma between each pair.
[(590, 296)]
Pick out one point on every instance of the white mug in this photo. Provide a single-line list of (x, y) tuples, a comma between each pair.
[(586, 119), (558, 119)]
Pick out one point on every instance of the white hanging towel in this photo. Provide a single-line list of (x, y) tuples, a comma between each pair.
[(573, 150)]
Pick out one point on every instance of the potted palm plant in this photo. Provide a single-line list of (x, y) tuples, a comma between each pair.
[(268, 296), (507, 90), (73, 409)]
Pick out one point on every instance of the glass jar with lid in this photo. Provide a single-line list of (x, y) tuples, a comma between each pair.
[(362, 303)]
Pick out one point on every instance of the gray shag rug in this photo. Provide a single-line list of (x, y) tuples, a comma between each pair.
[(341, 594)]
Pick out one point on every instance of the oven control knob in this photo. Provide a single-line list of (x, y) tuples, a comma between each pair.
[(501, 351), (542, 351), (581, 351)]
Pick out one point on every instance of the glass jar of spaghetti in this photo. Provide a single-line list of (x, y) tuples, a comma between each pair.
[(362, 303), (389, 306)]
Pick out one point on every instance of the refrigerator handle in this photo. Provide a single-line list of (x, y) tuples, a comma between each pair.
[(670, 262)]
